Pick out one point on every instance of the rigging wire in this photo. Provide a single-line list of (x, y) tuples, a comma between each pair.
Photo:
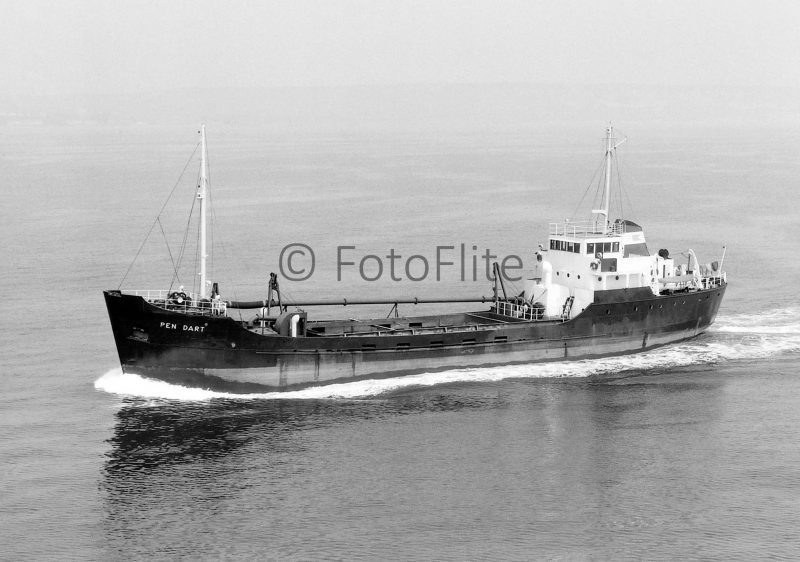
[(169, 251), (188, 225), (213, 271), (185, 237), (623, 196), (158, 216), (215, 226), (196, 259), (624, 192), (588, 187), (514, 288), (618, 190), (214, 241), (217, 239)]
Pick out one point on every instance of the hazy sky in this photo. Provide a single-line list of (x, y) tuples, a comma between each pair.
[(145, 46)]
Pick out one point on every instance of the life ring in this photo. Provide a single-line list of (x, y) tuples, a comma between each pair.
[(594, 265)]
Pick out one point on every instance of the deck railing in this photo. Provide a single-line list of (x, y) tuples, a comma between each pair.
[(521, 311), (585, 229), (713, 280), (177, 301)]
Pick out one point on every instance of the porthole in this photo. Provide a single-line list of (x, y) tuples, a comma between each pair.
[(608, 311), (616, 277), (635, 308)]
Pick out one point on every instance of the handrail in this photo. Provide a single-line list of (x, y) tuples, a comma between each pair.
[(711, 281), (188, 303), (585, 229), (521, 311)]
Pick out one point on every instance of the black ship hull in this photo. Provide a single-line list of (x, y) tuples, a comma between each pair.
[(220, 352)]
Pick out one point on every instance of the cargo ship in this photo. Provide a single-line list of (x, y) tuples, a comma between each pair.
[(594, 290)]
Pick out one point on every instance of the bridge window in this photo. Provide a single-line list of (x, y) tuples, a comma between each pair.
[(639, 249), (601, 247), (564, 246)]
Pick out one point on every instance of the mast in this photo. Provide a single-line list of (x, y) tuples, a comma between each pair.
[(201, 196), (606, 202), (607, 198)]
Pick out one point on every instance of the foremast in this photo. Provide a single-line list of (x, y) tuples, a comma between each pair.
[(202, 195)]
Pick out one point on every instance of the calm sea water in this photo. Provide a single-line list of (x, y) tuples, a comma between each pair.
[(689, 451)]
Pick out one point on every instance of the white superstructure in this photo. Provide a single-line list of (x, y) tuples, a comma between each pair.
[(599, 255)]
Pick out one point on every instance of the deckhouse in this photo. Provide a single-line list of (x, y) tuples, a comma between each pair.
[(583, 258)]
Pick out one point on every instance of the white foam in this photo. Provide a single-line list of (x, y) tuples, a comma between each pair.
[(759, 329), (735, 338), (130, 384), (778, 319)]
